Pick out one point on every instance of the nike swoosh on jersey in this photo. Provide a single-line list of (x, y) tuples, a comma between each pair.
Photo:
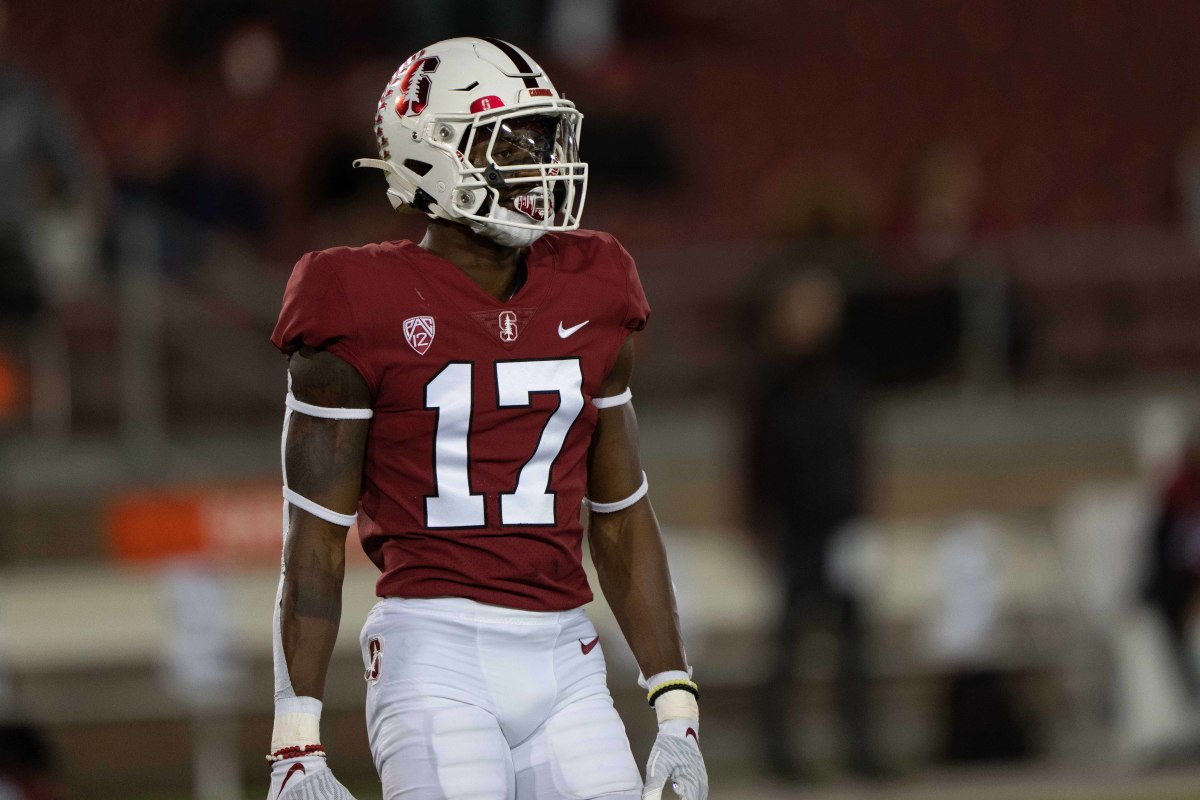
[(692, 733), (587, 648), (295, 768), (565, 332)]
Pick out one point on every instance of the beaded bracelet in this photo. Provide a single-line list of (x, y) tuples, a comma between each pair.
[(297, 752), (658, 691)]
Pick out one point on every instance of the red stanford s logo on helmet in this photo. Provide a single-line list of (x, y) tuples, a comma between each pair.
[(415, 86)]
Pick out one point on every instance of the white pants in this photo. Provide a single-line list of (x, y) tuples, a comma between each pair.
[(467, 701)]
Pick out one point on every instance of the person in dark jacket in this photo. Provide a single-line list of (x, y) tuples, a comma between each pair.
[(1172, 584), (805, 481)]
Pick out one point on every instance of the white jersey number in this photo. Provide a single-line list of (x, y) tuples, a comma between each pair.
[(454, 506), (450, 393)]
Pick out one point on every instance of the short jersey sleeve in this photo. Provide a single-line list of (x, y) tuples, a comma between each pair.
[(317, 313), (637, 308)]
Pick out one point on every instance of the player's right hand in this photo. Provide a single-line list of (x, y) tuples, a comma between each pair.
[(305, 778), (676, 758)]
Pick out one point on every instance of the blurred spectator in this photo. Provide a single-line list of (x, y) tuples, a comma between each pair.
[(315, 34), (1172, 583), (220, 199), (189, 197), (1187, 186), (49, 214), (251, 60), (805, 482), (520, 21), (45, 213), (582, 31), (26, 766), (983, 720), (944, 309)]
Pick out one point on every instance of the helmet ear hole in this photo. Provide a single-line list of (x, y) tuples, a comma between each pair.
[(420, 167)]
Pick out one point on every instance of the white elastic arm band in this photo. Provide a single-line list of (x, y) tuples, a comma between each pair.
[(317, 510), (656, 680), (614, 401), (618, 505), (325, 412)]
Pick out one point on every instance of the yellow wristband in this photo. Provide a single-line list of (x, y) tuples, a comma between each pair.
[(687, 686)]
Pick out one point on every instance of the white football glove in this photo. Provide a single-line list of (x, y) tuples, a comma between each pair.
[(676, 757), (298, 768), (305, 778)]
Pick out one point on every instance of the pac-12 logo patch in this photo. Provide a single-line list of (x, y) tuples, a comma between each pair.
[(508, 326), (374, 658), (419, 333)]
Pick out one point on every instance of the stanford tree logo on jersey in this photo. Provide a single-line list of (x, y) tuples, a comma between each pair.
[(508, 326)]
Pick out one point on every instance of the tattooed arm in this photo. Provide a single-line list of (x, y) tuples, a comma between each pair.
[(324, 461)]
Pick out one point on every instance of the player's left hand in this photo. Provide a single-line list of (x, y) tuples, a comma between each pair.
[(305, 778), (676, 757)]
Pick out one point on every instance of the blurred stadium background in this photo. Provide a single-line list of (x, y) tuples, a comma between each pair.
[(962, 234)]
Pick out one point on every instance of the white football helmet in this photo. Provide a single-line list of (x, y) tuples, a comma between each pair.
[(471, 130)]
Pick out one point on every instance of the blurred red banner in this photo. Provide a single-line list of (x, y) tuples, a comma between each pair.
[(236, 526)]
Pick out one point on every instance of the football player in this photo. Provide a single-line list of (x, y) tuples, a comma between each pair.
[(461, 398)]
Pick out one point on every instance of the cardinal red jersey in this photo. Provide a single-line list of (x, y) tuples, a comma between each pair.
[(476, 460)]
